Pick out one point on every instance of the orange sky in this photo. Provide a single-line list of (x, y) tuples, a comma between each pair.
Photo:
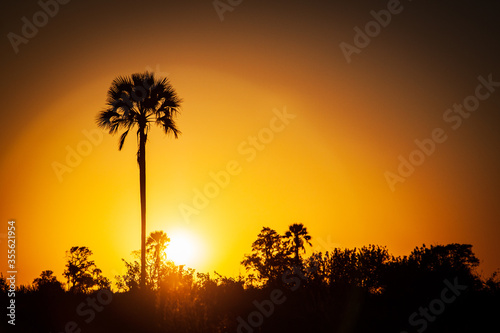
[(325, 168)]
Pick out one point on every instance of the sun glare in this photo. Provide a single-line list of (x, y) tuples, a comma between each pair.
[(182, 249)]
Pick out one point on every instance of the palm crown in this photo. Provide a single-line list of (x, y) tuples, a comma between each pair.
[(297, 235), (140, 100)]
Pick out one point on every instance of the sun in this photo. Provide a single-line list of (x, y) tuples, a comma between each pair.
[(182, 249)]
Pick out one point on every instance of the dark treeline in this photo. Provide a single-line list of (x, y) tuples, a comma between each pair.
[(433, 289)]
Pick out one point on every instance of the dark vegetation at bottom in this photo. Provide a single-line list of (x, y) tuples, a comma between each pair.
[(336, 308)]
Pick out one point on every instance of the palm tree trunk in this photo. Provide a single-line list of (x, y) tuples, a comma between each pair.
[(142, 174)]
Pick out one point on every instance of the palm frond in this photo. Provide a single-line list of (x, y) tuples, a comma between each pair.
[(169, 126), (139, 99), (122, 139)]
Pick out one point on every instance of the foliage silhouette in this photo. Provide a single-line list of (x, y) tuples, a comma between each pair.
[(137, 101), (270, 258), (157, 264), (81, 272), (157, 242), (47, 283), (297, 235), (344, 290)]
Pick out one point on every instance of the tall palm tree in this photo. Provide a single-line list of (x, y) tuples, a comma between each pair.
[(296, 235), (138, 101)]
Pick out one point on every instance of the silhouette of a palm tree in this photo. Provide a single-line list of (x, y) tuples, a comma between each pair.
[(296, 235), (138, 101), (158, 242)]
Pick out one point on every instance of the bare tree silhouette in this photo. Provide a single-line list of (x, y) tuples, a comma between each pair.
[(140, 100)]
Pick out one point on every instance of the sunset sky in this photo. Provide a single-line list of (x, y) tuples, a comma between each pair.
[(325, 165)]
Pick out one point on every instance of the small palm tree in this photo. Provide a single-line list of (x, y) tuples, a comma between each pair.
[(138, 101), (157, 243), (296, 235)]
